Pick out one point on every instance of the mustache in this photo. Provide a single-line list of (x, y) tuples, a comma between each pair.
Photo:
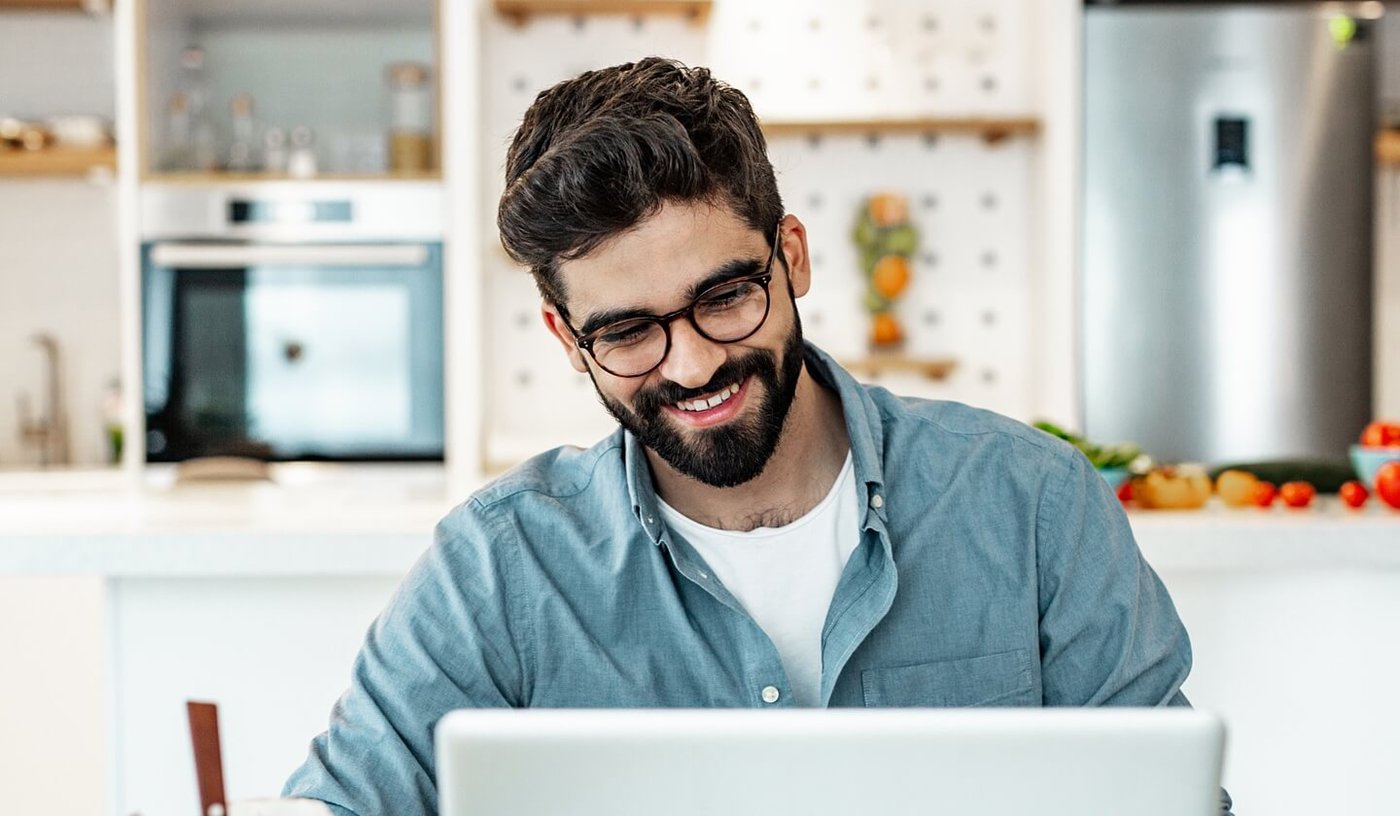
[(667, 393)]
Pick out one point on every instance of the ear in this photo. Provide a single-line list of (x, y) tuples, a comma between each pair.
[(555, 322), (792, 242)]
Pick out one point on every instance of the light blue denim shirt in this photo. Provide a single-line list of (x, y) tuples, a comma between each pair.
[(995, 568)]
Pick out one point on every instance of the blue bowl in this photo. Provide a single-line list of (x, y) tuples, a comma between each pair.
[(1116, 476), (1367, 461)]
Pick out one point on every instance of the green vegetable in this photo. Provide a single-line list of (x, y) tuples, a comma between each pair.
[(1100, 456)]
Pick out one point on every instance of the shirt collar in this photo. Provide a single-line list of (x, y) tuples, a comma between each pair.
[(639, 487), (864, 427)]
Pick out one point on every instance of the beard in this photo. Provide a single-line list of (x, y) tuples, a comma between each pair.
[(731, 454)]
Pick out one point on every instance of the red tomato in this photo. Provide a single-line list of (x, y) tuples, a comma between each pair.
[(1297, 494), (1353, 494), (1264, 493), (1125, 491), (1381, 434), (1388, 484)]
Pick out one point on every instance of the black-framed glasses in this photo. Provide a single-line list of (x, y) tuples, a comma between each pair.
[(724, 313)]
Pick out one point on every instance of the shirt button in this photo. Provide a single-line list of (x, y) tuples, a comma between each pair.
[(770, 694), (878, 501)]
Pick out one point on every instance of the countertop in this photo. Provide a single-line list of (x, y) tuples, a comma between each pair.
[(315, 520), (377, 520)]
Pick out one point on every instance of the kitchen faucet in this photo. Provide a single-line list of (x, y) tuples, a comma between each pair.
[(48, 433)]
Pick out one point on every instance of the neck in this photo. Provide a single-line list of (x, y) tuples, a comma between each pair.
[(809, 457)]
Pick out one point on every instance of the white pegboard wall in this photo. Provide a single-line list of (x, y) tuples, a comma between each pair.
[(796, 60), (969, 297)]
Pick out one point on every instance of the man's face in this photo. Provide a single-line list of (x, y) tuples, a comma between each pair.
[(659, 267)]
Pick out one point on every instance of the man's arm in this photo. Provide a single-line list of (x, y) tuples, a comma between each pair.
[(445, 641), (1109, 633)]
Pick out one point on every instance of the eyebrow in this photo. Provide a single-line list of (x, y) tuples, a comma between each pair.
[(729, 270)]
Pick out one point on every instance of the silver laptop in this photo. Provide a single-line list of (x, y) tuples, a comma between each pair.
[(840, 762)]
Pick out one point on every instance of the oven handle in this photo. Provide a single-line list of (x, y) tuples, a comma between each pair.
[(225, 256)]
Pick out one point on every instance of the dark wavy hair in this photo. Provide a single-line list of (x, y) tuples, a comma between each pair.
[(598, 154)]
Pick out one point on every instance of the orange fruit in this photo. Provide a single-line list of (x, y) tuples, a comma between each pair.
[(890, 276), (888, 209), (885, 330)]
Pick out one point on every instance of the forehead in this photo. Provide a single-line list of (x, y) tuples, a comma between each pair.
[(653, 265)]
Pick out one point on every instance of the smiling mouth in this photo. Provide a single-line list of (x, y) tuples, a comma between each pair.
[(719, 398)]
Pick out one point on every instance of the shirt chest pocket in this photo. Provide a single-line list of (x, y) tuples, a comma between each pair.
[(1002, 679)]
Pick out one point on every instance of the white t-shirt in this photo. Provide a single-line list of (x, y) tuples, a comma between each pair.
[(786, 576)]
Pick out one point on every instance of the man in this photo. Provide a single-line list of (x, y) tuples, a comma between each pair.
[(762, 531)]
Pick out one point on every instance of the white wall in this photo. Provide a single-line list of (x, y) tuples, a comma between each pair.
[(58, 274), (55, 63)]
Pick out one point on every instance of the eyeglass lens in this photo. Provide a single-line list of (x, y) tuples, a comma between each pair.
[(725, 314)]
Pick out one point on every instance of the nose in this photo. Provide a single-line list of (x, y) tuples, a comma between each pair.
[(693, 359)]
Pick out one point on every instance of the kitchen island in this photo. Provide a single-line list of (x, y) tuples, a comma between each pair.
[(257, 596)]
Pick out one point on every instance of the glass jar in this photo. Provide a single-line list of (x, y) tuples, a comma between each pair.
[(410, 118)]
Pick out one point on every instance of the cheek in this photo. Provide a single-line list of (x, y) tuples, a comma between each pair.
[(616, 389), (778, 325)]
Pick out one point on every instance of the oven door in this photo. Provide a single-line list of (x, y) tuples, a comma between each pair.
[(293, 352)]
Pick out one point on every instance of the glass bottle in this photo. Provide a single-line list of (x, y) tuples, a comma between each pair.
[(301, 162), (243, 147), (178, 154), (204, 142), (275, 150)]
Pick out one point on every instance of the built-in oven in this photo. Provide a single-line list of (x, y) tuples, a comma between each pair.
[(296, 322)]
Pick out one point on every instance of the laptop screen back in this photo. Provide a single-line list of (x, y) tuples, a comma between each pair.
[(891, 762)]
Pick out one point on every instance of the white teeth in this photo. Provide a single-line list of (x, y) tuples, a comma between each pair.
[(707, 404)]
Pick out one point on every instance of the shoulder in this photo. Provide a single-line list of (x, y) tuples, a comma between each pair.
[(952, 428), (561, 473), (900, 427), (970, 457), (547, 497)]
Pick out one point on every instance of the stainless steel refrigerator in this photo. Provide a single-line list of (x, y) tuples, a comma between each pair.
[(1226, 257)]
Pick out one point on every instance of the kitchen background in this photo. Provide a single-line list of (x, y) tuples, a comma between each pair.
[(974, 200), (994, 198), (992, 285)]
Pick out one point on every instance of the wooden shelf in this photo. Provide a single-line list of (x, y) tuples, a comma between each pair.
[(991, 130), (519, 11), (878, 364), (197, 178), (56, 162), (89, 6), (1388, 148)]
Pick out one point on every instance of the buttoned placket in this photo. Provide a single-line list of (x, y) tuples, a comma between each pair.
[(864, 595), (770, 682)]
